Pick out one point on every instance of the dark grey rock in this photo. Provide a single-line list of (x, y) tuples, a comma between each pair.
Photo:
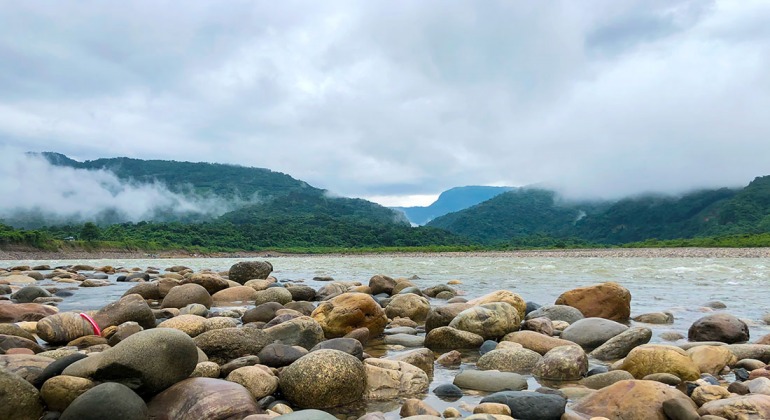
[(448, 392), (530, 405), (107, 401)]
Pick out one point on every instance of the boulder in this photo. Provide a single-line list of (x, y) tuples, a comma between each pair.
[(235, 294), (349, 311), (192, 325), (712, 359), (279, 355), (323, 379), (27, 366), (212, 282), (606, 300), (10, 312), (489, 320), (19, 279), (537, 342), (128, 308), (752, 406), (530, 405), (59, 391), (15, 330), (707, 393), (441, 316), (490, 380), (29, 293), (350, 346), (63, 327), (556, 313), (261, 313), (106, 401), (8, 342), (273, 294), (655, 358), (452, 338), (225, 344), (418, 410), (203, 398), (655, 318), (301, 293), (18, 398), (148, 290), (509, 360), (382, 284), (206, 370), (751, 351), (631, 400), (259, 381), (409, 306), (147, 362), (541, 325), (302, 331), (503, 296), (249, 270), (620, 345), (333, 290), (185, 294), (564, 363), (719, 327), (389, 379), (601, 380), (591, 333)]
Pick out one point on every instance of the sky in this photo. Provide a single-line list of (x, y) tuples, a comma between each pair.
[(396, 101)]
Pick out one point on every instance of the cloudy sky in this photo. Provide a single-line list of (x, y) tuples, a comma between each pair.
[(399, 100)]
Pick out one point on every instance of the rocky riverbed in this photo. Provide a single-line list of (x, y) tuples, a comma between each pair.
[(242, 344)]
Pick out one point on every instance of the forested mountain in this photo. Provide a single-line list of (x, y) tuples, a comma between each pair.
[(452, 200), (201, 178), (521, 213)]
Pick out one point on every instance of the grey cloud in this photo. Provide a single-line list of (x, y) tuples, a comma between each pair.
[(397, 98)]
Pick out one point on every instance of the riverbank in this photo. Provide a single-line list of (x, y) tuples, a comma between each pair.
[(79, 254)]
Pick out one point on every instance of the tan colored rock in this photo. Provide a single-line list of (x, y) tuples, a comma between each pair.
[(408, 305), (59, 391), (20, 279), (192, 325), (506, 296), (712, 359), (389, 379), (492, 408), (630, 400), (489, 320), (259, 380), (564, 363), (656, 358), (348, 311), (537, 342), (15, 312), (752, 406), (606, 300), (707, 393), (415, 407), (212, 282)]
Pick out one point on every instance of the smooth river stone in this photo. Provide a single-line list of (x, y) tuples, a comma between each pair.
[(63, 328), (490, 380)]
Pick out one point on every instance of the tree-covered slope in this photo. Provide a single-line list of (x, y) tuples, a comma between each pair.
[(516, 213), (452, 200)]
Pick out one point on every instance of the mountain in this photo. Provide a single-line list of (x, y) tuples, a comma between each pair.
[(518, 214), (450, 201)]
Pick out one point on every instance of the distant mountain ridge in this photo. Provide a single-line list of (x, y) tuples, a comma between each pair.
[(451, 200), (527, 212)]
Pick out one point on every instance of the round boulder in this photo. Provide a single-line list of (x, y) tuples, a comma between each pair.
[(18, 398), (348, 311), (323, 379), (408, 305), (591, 333), (719, 327), (509, 360), (63, 327), (503, 296), (210, 281), (248, 270), (225, 344), (183, 295), (489, 320), (631, 400), (565, 363), (273, 294), (259, 380), (192, 325), (128, 308), (203, 398), (106, 401), (655, 358), (59, 391), (606, 300), (556, 313)]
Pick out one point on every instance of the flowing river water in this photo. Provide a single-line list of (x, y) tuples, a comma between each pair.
[(679, 285)]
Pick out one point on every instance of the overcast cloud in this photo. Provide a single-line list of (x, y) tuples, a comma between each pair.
[(401, 98)]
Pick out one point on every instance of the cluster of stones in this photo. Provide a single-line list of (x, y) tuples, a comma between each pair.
[(165, 352)]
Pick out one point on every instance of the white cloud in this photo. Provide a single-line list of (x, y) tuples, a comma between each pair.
[(395, 99)]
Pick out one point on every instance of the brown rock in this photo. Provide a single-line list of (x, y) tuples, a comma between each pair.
[(203, 398), (63, 327), (389, 379), (719, 327), (452, 358), (249, 270), (128, 308), (59, 391), (15, 312), (630, 400), (408, 305), (19, 400), (415, 407), (192, 325), (8, 342), (540, 325), (441, 316), (382, 284), (707, 393), (209, 281), (565, 363), (183, 295), (322, 379), (235, 294), (711, 359), (349, 311), (452, 338), (606, 300), (28, 367), (259, 380)]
